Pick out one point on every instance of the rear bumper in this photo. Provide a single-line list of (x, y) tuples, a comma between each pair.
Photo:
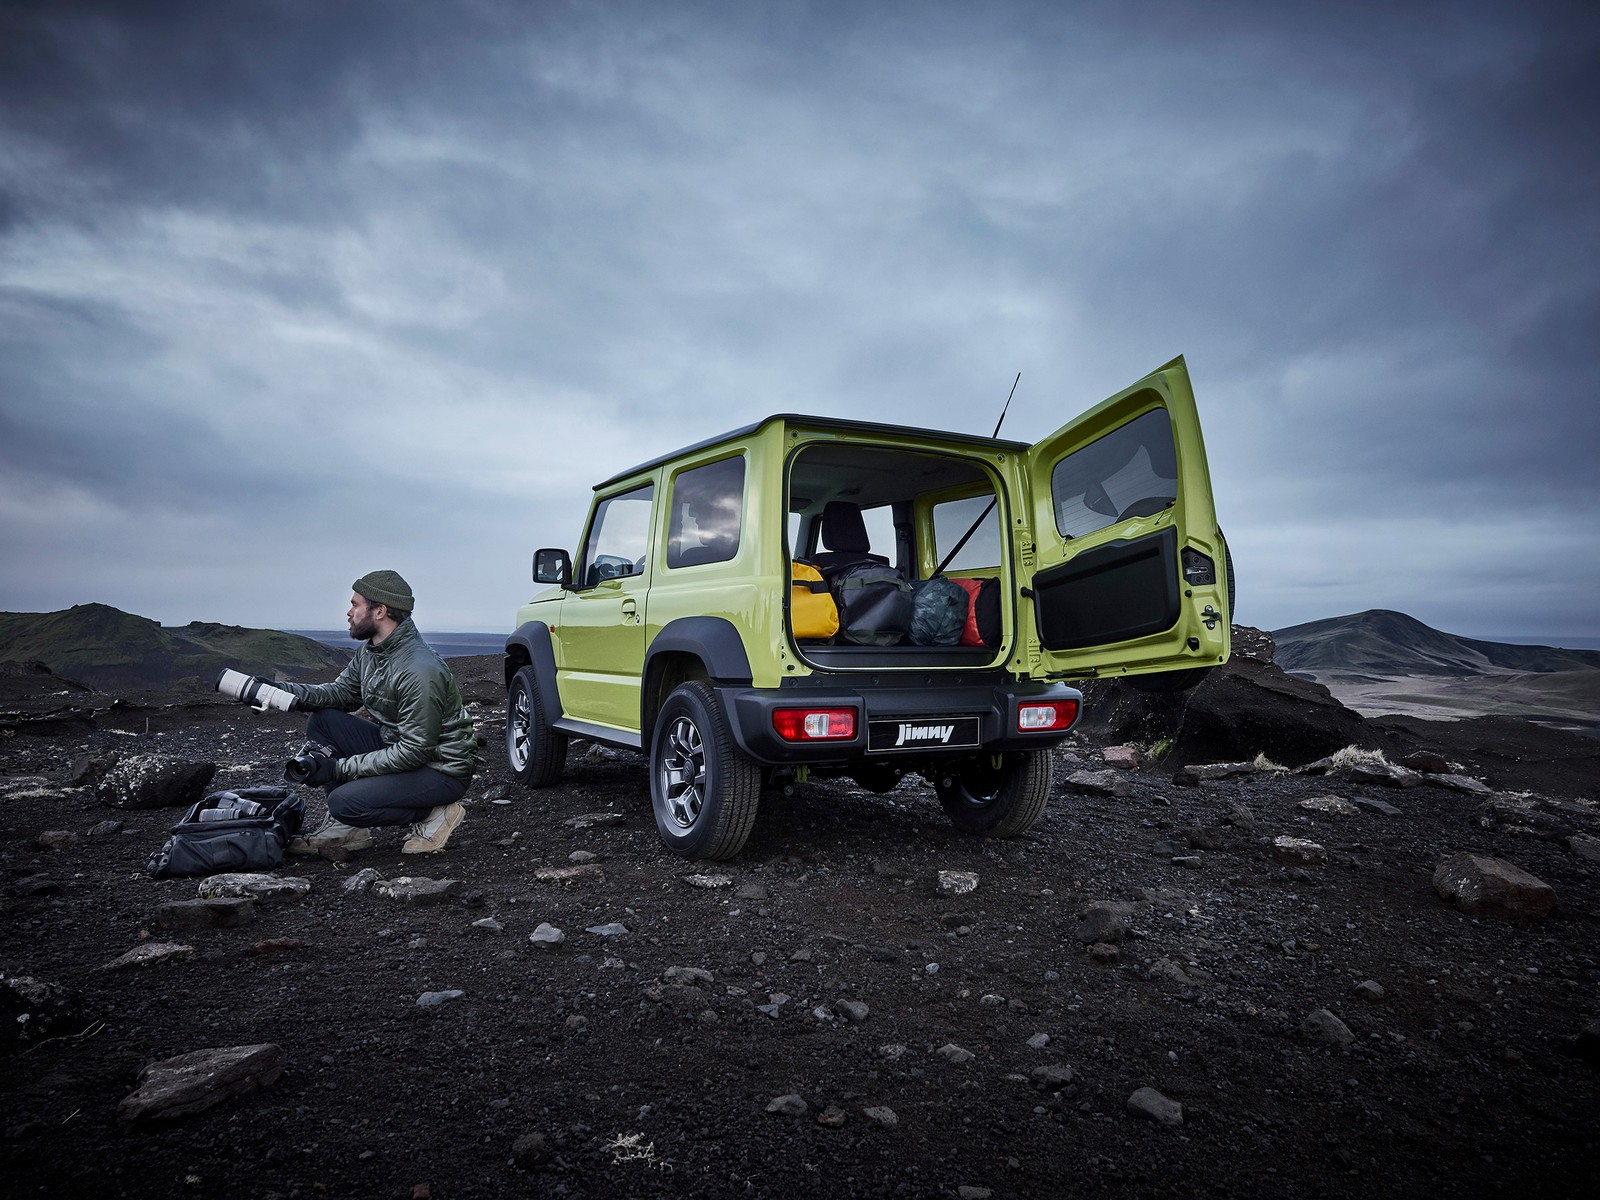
[(895, 723)]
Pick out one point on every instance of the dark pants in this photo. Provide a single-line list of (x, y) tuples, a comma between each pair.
[(397, 799)]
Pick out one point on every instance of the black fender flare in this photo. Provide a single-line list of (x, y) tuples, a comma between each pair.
[(532, 639), (715, 641)]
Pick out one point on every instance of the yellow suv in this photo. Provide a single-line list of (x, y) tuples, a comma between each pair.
[(809, 596)]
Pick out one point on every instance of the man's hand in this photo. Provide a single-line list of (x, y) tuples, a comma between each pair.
[(314, 766)]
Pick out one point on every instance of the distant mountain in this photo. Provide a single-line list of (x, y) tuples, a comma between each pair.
[(1386, 662), (1384, 643), (108, 648)]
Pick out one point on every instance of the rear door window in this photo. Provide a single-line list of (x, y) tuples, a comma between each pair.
[(1130, 472)]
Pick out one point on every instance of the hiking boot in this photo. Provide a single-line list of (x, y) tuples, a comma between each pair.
[(429, 836), (333, 835)]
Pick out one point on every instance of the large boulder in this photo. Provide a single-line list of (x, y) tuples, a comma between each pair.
[(154, 781), (1477, 884), (1246, 707)]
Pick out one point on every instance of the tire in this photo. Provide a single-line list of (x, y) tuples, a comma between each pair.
[(995, 801), (536, 753), (703, 788), (1168, 682)]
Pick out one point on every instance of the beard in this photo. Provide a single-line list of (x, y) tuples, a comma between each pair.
[(363, 629)]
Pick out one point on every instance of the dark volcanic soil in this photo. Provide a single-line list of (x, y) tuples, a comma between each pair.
[(584, 1071)]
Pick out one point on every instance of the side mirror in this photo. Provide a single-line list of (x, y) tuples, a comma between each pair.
[(552, 566)]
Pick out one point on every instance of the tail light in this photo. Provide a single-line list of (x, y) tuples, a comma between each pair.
[(814, 724), (1042, 716)]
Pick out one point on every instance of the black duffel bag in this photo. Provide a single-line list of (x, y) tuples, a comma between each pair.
[(875, 604), (244, 830)]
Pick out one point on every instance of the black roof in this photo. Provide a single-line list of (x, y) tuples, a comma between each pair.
[(864, 427)]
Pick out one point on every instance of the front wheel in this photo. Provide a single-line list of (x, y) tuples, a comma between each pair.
[(703, 788), (536, 753), (999, 797)]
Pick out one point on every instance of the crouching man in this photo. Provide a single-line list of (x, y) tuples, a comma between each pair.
[(411, 761)]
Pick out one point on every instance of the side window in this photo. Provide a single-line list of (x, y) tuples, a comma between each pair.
[(952, 520), (619, 538), (706, 515), (880, 530), (1130, 472)]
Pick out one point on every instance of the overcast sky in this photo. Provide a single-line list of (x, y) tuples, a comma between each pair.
[(293, 291)]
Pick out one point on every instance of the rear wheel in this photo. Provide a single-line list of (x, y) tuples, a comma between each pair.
[(997, 797), (703, 788), (536, 753)]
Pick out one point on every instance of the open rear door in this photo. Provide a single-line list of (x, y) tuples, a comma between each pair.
[(1129, 571)]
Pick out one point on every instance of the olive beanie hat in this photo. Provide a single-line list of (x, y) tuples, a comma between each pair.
[(386, 587)]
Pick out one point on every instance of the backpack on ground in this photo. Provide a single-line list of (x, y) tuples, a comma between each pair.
[(875, 604), (812, 611), (939, 612), (244, 830)]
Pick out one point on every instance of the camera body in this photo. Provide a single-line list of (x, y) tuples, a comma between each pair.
[(260, 694), (304, 765)]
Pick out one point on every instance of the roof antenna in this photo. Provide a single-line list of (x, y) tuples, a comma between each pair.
[(993, 500), (1007, 408)]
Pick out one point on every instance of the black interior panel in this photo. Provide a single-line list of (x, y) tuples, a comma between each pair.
[(1109, 594)]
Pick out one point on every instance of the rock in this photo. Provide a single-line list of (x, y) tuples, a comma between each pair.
[(1241, 817), (1098, 783), (1211, 772), (35, 885), (32, 1009), (547, 935), (530, 1150), (1104, 952), (1039, 1041), (1101, 923), (1584, 846), (103, 828), (1461, 783), (148, 954), (1377, 806), (1336, 805), (488, 926), (1426, 761), (363, 880), (582, 856), (788, 1106), (881, 1115), (56, 839), (498, 794), (800, 954), (688, 976), (435, 999), (566, 876), (257, 886), (1192, 861), (1204, 838), (225, 913), (1123, 758), (831, 1117), (1153, 1106), (194, 1082), (1384, 775), (609, 930), (89, 769), (1298, 850), (1052, 1077), (1323, 1026), (594, 819), (957, 883), (154, 781), (853, 1011), (893, 1051), (750, 891), (953, 1053), (709, 882), (1480, 885), (1370, 990), (416, 890), (1167, 969), (776, 1000)]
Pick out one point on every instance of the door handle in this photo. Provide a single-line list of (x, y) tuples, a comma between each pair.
[(630, 610)]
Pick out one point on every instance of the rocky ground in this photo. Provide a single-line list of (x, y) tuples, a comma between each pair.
[(1148, 994)]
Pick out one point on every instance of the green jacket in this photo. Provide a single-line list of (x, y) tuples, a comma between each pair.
[(412, 697)]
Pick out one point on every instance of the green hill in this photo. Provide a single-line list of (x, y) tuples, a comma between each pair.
[(108, 648)]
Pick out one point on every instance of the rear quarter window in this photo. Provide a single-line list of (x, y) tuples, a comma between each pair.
[(707, 514)]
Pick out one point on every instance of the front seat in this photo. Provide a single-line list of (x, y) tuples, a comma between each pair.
[(844, 534)]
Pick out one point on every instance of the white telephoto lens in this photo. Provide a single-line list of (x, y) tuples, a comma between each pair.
[(268, 696), (233, 684)]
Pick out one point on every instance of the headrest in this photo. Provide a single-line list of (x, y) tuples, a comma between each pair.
[(843, 529)]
